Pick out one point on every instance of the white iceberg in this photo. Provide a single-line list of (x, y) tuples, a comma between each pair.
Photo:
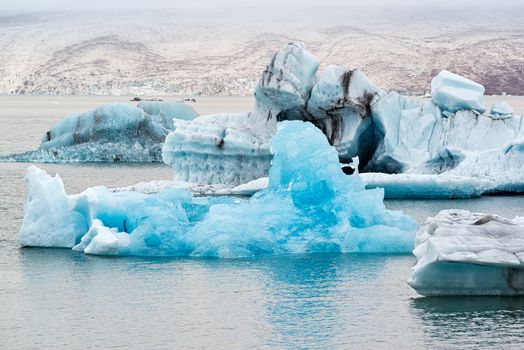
[(501, 108), (110, 133), (464, 253), (227, 149), (413, 137), (453, 93), (446, 144), (308, 206)]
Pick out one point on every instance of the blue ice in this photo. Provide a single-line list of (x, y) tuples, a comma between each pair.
[(310, 205)]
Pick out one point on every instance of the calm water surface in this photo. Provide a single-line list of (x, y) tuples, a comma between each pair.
[(55, 298)]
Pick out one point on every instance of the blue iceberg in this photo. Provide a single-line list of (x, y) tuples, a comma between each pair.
[(110, 133), (310, 205)]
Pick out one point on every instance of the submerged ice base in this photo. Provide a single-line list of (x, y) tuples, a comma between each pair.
[(464, 253), (308, 206)]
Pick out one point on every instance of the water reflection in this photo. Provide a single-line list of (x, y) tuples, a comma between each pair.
[(311, 293), (298, 301), (471, 322), (55, 298)]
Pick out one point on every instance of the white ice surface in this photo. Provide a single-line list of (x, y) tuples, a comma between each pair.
[(452, 93), (459, 252), (501, 108), (228, 149)]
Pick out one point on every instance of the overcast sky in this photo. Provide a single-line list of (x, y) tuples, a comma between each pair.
[(51, 5)]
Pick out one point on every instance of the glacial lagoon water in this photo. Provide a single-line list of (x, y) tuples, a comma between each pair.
[(54, 298)]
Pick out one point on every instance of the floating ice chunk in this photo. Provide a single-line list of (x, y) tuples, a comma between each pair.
[(464, 253), (452, 93), (308, 206), (340, 106), (111, 133), (163, 112), (247, 189), (251, 187), (101, 240), (49, 220), (501, 108), (112, 123), (222, 148), (286, 82)]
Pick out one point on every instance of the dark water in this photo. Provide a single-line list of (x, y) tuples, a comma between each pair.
[(53, 298)]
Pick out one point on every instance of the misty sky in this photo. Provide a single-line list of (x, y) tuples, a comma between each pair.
[(51, 5)]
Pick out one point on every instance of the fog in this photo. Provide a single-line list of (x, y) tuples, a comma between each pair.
[(68, 5)]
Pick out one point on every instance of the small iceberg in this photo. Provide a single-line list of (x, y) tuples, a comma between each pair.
[(464, 253), (309, 205), (501, 108), (111, 133), (453, 93)]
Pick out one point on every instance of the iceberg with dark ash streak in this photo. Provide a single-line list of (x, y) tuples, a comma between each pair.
[(110, 133), (446, 142)]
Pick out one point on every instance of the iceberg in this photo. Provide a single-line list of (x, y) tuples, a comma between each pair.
[(309, 205), (163, 112), (340, 106), (501, 108), (111, 133), (286, 83), (453, 93), (414, 137), (445, 145), (227, 149), (464, 253)]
